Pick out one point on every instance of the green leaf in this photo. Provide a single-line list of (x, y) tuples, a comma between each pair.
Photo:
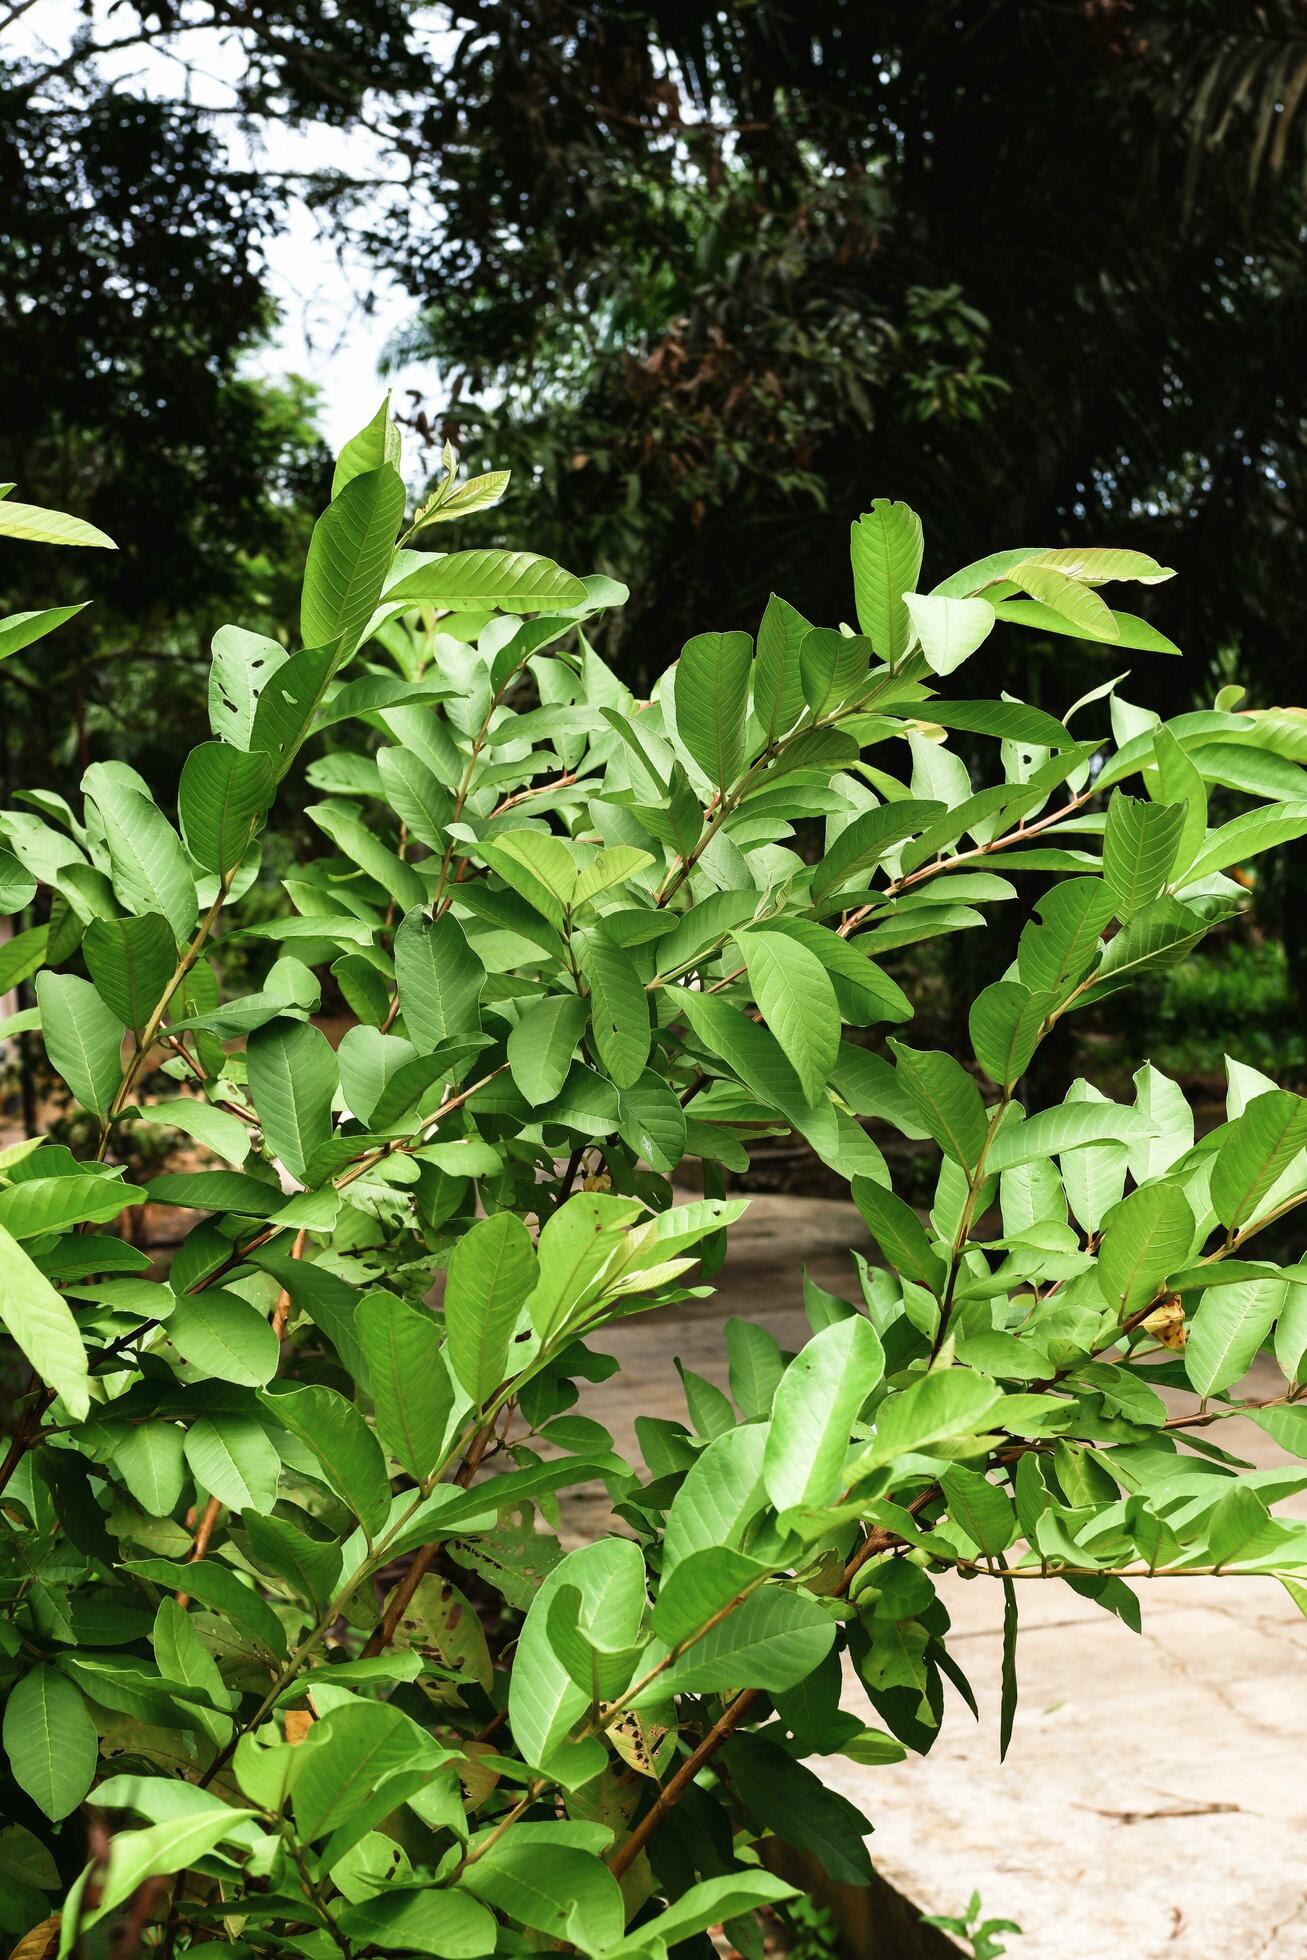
[(1005, 1023), (419, 1919), (83, 1038), (789, 1799), (151, 872), (223, 797), (217, 1129), (1245, 837), (947, 1098), (37, 526), (899, 1233), (1131, 632), (777, 683), (1055, 955), (601, 1672), (538, 866), (816, 1405), (543, 1699), (39, 1321), (772, 1640), (699, 1586), (1008, 1702), (886, 547), (507, 581), (348, 557), (34, 1206), (1163, 1103), (310, 1566), (349, 1454), (243, 663), (653, 1123), (1285, 1426), (750, 1051), (131, 962), (1227, 1331), (289, 703), (148, 1457), (834, 669), (439, 978), (798, 1003), (710, 1411), (346, 1759), (1139, 847), (380, 863), (370, 1064), (710, 1902), (542, 1043), (577, 1245), (411, 1390), (619, 1006), (1065, 596), (234, 1461), (491, 1272), (183, 1657), (224, 1336), (378, 442), (50, 1738), (711, 696), (1291, 1332), (564, 1893), (722, 1493), (1158, 936), (237, 1191), (1180, 783), (947, 1402), (1070, 1127), (613, 866), (1234, 1525), (476, 493), (207, 1579), (293, 1080), (1257, 1149), (985, 571), (20, 957), (756, 1366), (949, 630), (868, 838), (1010, 721), (416, 795), (1100, 564), (981, 1509), (1255, 772), (1145, 1237), (23, 629)]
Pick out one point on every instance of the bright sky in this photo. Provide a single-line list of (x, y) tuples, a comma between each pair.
[(336, 317)]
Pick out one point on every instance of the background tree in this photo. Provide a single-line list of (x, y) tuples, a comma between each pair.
[(791, 254), (131, 290)]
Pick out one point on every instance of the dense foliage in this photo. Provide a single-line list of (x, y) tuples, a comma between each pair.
[(295, 1659)]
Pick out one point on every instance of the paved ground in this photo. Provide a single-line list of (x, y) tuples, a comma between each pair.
[(1153, 1805)]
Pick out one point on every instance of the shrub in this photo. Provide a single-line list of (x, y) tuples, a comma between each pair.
[(295, 1659)]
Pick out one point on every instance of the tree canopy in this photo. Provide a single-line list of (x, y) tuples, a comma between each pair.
[(702, 274)]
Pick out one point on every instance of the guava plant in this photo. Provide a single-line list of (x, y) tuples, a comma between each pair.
[(295, 1659)]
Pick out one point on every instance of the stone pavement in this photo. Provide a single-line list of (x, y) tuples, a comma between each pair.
[(1153, 1805)]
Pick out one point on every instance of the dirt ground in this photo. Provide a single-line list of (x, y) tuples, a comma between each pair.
[(1153, 1805)]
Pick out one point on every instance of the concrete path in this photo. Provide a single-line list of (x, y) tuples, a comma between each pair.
[(1153, 1805)]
